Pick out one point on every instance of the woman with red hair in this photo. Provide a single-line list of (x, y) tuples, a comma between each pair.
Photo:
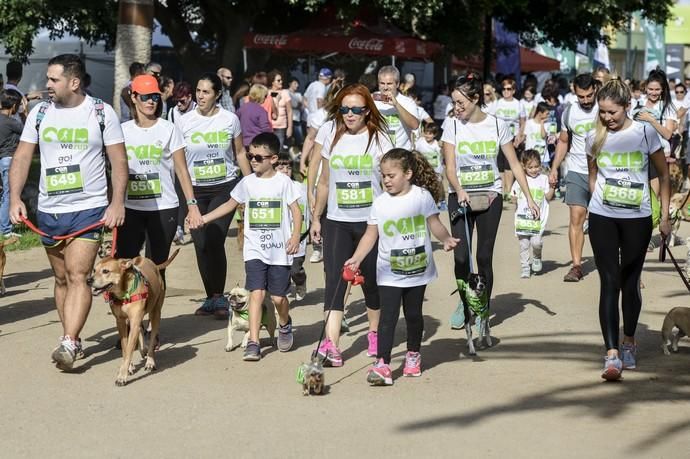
[(350, 181)]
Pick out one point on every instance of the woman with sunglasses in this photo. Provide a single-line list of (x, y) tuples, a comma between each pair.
[(215, 154), (349, 183), (471, 144), (155, 154)]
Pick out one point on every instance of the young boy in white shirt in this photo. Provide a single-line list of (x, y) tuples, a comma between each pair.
[(270, 240)]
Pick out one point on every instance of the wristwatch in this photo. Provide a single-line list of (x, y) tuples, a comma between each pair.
[(191, 202)]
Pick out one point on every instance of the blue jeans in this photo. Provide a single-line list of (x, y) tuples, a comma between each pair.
[(5, 225)]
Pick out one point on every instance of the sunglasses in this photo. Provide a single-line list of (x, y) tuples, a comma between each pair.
[(680, 92), (258, 158), (147, 97), (508, 88), (355, 110)]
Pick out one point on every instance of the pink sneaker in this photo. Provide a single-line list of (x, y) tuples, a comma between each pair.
[(413, 364), (373, 339), (334, 358), (380, 374)]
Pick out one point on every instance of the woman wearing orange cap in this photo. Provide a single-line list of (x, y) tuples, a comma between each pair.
[(155, 153)]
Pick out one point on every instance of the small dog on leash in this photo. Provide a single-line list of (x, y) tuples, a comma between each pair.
[(475, 300), (311, 375), (3, 260), (680, 319), (239, 304), (134, 288)]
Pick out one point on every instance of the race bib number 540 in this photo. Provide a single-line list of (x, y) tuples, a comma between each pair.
[(210, 170)]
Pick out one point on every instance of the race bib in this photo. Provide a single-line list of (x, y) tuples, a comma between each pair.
[(144, 186), (623, 194), (525, 225), (408, 262), (475, 177), (64, 180), (354, 195), (393, 126), (265, 214), (210, 170)]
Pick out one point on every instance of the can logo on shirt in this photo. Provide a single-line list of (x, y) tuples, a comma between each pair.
[(214, 139), (69, 138), (152, 153), (407, 227)]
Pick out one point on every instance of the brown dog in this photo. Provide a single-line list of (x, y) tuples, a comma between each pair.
[(134, 288), (3, 259), (676, 176), (676, 318)]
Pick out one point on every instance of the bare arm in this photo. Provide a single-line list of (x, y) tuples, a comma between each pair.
[(561, 151), (441, 233), (182, 173), (321, 200), (293, 244), (593, 171), (241, 156), (119, 175), (366, 244), (19, 171), (305, 159), (288, 113), (451, 173), (406, 117), (313, 172), (220, 211)]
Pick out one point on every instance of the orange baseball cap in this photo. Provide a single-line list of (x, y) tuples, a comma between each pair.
[(145, 84)]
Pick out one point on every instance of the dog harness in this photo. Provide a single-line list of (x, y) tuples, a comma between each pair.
[(479, 305), (130, 296)]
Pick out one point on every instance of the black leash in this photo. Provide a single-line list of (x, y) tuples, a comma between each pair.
[(675, 263)]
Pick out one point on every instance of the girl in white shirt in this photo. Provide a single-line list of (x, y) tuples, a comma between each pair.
[(620, 152), (401, 220), (155, 155)]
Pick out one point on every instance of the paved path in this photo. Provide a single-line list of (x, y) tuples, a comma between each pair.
[(536, 393)]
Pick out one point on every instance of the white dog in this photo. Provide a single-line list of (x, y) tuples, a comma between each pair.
[(239, 304)]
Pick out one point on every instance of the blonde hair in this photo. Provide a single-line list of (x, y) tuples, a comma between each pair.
[(617, 92), (258, 93)]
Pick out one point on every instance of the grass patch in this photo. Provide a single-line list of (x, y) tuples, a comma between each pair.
[(27, 240)]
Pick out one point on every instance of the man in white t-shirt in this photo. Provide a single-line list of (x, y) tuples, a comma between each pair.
[(399, 111), (71, 131), (315, 95), (578, 119)]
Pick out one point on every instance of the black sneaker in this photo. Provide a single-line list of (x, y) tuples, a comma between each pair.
[(252, 353)]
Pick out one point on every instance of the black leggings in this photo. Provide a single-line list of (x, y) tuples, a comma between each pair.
[(619, 246), (157, 227), (391, 297), (339, 244), (487, 227), (209, 241)]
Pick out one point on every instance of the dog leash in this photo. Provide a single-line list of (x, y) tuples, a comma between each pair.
[(667, 249), (74, 234), (467, 234)]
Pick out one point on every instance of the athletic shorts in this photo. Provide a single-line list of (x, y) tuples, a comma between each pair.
[(273, 278), (577, 189), (70, 222)]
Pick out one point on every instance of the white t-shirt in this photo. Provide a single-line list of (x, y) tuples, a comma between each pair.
[(317, 119), (669, 114), (622, 187), (151, 184), (399, 133), (354, 176), (72, 160), (315, 90), (326, 131), (405, 257), (209, 139), (525, 225), (533, 136), (301, 190), (579, 123), (490, 108), (432, 152), (440, 105), (476, 148), (528, 106), (510, 111), (267, 217)]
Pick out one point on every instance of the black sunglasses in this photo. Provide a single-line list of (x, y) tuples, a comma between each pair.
[(146, 97), (258, 158), (356, 110)]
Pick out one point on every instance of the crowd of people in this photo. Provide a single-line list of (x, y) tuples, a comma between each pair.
[(359, 170)]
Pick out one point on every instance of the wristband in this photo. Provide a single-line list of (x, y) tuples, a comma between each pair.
[(191, 202)]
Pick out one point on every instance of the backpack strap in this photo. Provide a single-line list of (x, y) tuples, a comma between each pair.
[(565, 118), (99, 107), (41, 113)]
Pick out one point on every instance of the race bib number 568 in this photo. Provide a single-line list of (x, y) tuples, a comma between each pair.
[(623, 194)]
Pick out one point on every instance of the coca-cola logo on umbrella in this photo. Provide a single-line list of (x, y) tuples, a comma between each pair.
[(372, 44), (274, 40)]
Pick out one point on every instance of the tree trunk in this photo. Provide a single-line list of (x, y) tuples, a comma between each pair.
[(133, 41)]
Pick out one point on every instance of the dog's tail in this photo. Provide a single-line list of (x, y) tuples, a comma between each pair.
[(168, 261), (9, 241), (667, 327)]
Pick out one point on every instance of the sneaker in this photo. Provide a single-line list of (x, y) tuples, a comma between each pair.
[(252, 353), (179, 236), (65, 354), (333, 357), (380, 374), (373, 339), (206, 308), (525, 273), (574, 275), (536, 265), (285, 336), (316, 256), (613, 368), (344, 326), (629, 352), (585, 227), (221, 307), (300, 292), (413, 364)]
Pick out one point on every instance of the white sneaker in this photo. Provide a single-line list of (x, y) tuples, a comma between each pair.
[(524, 274), (316, 257), (300, 292), (536, 265)]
